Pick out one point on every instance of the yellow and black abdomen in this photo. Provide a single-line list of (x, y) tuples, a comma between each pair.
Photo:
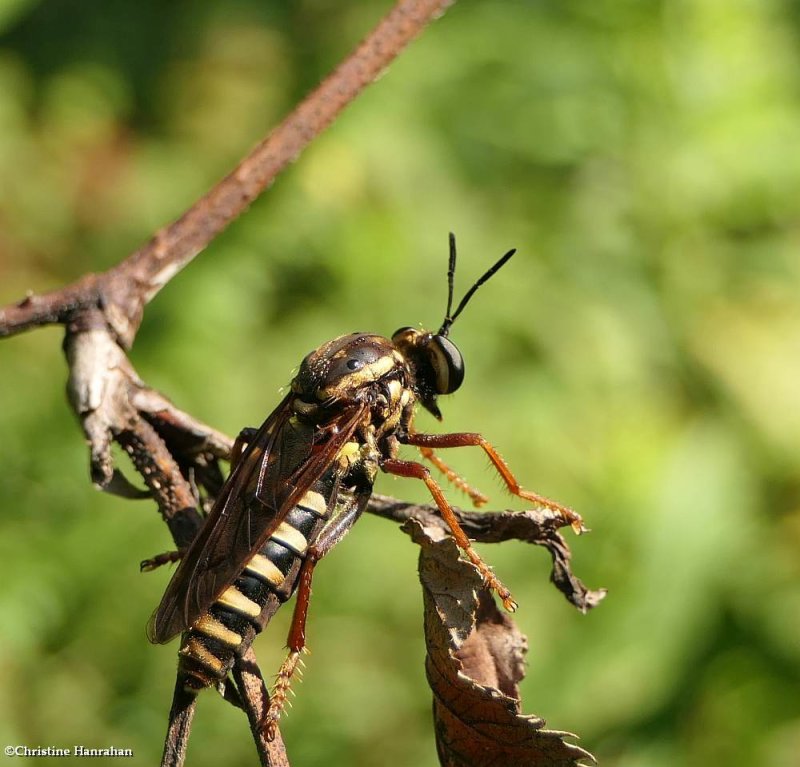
[(210, 645)]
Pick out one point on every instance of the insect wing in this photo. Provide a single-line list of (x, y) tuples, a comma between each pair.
[(278, 466), (197, 572)]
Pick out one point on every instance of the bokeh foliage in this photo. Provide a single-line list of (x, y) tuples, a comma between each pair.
[(639, 359)]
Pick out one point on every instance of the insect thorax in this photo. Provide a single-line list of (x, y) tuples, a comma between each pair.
[(359, 370)]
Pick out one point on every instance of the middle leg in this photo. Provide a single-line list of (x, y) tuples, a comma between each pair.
[(418, 471), (476, 496)]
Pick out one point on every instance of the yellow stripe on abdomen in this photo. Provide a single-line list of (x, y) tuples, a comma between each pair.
[(290, 537), (211, 627), (262, 568), (314, 502), (195, 650), (234, 600)]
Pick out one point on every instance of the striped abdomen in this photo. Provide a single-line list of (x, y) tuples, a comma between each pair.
[(210, 644)]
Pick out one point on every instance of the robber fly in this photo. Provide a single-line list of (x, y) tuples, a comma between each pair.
[(300, 482)]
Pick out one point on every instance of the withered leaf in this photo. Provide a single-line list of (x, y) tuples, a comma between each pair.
[(537, 526), (475, 660)]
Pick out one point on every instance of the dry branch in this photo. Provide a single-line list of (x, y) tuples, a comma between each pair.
[(536, 526), (122, 292)]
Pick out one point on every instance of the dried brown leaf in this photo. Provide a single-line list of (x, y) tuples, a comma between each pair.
[(475, 660)]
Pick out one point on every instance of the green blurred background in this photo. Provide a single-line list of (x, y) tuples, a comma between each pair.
[(639, 359)]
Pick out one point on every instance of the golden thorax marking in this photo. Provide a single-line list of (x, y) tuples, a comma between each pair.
[(314, 502), (210, 626), (349, 454), (354, 380), (390, 424), (395, 390), (290, 537), (261, 567), (234, 600), (196, 650)]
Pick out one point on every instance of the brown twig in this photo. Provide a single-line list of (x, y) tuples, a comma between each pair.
[(250, 694), (122, 292), (184, 704), (102, 312), (254, 695), (536, 526)]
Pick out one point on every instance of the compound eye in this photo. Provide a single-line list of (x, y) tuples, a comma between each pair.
[(447, 364)]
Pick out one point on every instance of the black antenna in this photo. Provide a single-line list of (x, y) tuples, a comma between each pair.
[(449, 319), (451, 270)]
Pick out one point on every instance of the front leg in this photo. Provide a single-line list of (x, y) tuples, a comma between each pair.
[(466, 439), (418, 471)]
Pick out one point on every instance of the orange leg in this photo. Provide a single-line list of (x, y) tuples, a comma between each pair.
[(296, 643), (148, 565), (476, 496), (476, 440), (329, 536), (418, 471)]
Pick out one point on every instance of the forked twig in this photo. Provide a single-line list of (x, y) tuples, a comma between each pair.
[(255, 697), (124, 290), (537, 526)]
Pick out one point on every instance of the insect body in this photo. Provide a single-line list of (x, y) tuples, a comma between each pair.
[(303, 479)]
